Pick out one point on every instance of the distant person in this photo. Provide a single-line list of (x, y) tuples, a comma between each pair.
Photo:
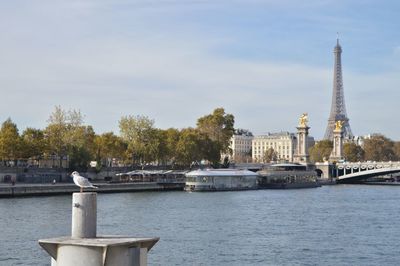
[(54, 181)]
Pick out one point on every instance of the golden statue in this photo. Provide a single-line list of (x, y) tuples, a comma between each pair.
[(338, 125), (303, 120)]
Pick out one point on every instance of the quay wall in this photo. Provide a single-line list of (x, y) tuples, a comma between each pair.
[(47, 175), (18, 190)]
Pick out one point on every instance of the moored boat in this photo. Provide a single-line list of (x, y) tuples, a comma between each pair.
[(287, 176), (220, 179)]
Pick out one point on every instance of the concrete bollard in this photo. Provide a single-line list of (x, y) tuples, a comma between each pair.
[(84, 215), (85, 248)]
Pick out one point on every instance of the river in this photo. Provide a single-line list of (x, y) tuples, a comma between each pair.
[(331, 225)]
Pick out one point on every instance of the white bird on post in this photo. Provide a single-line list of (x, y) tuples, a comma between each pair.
[(81, 181)]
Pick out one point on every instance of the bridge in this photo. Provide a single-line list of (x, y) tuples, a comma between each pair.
[(343, 172), (363, 175), (346, 172)]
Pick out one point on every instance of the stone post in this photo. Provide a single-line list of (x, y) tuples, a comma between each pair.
[(337, 151), (302, 155), (84, 215)]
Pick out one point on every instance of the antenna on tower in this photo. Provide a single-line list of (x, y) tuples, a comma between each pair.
[(337, 38)]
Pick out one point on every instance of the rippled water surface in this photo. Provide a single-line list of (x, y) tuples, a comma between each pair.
[(332, 225)]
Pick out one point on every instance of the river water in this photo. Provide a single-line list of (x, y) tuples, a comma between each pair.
[(331, 225)]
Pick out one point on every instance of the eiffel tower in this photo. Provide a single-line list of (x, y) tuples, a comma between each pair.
[(338, 108)]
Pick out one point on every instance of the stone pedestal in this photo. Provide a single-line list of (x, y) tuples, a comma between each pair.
[(99, 251), (337, 151), (302, 155), (84, 248)]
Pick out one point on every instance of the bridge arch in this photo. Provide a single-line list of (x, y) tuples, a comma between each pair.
[(363, 175)]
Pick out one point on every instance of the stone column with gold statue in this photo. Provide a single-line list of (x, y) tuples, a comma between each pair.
[(337, 151), (302, 155)]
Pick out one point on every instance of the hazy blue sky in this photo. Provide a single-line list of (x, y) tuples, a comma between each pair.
[(266, 62)]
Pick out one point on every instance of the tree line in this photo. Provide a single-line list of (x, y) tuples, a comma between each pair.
[(139, 142), (376, 148)]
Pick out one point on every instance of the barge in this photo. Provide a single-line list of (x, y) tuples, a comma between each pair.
[(220, 180), (287, 176)]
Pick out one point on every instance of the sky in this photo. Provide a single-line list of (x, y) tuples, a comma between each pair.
[(266, 62)]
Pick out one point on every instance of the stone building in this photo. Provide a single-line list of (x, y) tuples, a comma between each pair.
[(240, 145), (283, 143)]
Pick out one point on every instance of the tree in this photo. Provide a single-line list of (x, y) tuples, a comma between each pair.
[(379, 148), (10, 141), (80, 145), (353, 152), (108, 146), (67, 136), (210, 150), (226, 162), (188, 147), (55, 133), (219, 127), (141, 136), (321, 151), (397, 150), (269, 155), (33, 143), (79, 158), (171, 138), (167, 141)]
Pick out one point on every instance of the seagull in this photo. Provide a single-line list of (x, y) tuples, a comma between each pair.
[(81, 181)]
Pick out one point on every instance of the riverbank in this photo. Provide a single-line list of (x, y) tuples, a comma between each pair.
[(22, 190)]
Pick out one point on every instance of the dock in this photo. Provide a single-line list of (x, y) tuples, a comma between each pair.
[(24, 189)]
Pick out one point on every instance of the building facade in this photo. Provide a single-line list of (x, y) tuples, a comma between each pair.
[(283, 144), (240, 145)]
